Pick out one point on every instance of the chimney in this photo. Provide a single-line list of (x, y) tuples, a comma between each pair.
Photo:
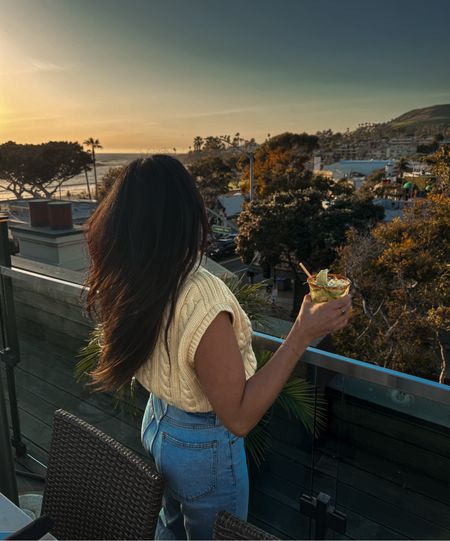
[(60, 215), (51, 238), (38, 213)]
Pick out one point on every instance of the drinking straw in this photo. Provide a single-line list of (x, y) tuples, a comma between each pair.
[(305, 270)]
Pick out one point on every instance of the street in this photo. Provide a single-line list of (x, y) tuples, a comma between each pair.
[(233, 264), (283, 304)]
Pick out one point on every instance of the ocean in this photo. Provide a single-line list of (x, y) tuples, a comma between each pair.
[(77, 185)]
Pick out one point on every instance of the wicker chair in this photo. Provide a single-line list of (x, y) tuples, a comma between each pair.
[(227, 526), (96, 488)]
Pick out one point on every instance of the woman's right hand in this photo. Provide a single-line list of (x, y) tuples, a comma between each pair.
[(316, 320)]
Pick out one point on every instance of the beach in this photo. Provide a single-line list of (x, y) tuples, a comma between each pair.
[(77, 184)]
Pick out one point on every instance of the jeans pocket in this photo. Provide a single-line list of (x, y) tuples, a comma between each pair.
[(190, 469)]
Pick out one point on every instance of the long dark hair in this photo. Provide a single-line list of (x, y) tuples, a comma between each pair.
[(143, 239)]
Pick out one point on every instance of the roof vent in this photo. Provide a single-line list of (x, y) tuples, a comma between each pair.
[(60, 215)]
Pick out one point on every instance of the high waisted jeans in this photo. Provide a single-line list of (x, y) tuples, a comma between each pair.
[(204, 466)]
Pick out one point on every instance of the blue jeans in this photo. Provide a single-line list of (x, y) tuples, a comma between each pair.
[(204, 467)]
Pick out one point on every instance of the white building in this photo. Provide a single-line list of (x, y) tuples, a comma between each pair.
[(356, 168), (398, 147)]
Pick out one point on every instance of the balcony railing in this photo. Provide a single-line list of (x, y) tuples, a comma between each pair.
[(383, 454)]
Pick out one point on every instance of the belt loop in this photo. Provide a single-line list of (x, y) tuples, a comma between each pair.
[(156, 409), (159, 410)]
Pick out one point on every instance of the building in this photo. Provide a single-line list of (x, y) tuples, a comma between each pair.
[(357, 168), (398, 147), (231, 203), (18, 209)]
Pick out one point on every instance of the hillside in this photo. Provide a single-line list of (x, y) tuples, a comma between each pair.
[(434, 116)]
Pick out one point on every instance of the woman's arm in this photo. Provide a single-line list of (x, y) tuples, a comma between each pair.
[(240, 404)]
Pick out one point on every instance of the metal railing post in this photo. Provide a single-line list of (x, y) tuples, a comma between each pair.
[(8, 485), (10, 353)]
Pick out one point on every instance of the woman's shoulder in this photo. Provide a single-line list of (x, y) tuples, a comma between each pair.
[(202, 293), (201, 274), (202, 283)]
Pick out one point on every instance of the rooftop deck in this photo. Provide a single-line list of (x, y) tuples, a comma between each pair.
[(384, 456)]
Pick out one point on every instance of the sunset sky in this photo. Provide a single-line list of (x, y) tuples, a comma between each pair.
[(146, 75)]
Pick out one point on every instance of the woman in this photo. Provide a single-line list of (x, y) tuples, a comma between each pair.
[(182, 333)]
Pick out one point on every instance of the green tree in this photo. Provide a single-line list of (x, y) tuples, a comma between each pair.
[(213, 175), (328, 230), (403, 166), (93, 144), (213, 143), (401, 280), (427, 149), (198, 143), (289, 227), (376, 176), (284, 218), (108, 180), (330, 189), (279, 164), (373, 186), (343, 188), (40, 170), (440, 167)]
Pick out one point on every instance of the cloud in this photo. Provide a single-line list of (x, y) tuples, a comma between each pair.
[(26, 119), (223, 112), (37, 65), (239, 110)]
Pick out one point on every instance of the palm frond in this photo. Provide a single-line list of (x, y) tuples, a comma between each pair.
[(257, 443), (125, 399), (262, 357), (89, 355), (300, 402), (252, 297)]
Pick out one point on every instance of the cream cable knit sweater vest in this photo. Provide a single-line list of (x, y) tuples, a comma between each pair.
[(201, 299)]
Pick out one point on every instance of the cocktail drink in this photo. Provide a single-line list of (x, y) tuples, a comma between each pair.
[(324, 287)]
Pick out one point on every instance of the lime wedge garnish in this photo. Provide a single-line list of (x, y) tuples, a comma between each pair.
[(322, 278)]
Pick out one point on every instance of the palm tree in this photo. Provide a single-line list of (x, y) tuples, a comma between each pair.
[(87, 181), (94, 143), (403, 166), (198, 143)]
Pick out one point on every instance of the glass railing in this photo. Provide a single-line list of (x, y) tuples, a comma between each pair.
[(382, 451), (383, 454), (52, 328)]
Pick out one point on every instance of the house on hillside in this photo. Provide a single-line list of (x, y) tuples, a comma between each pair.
[(227, 209), (397, 147), (231, 204)]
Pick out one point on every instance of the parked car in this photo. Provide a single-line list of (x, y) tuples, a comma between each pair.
[(230, 236), (222, 248), (227, 236)]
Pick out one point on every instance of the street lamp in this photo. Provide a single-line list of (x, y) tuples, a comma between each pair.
[(249, 152), (251, 157)]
